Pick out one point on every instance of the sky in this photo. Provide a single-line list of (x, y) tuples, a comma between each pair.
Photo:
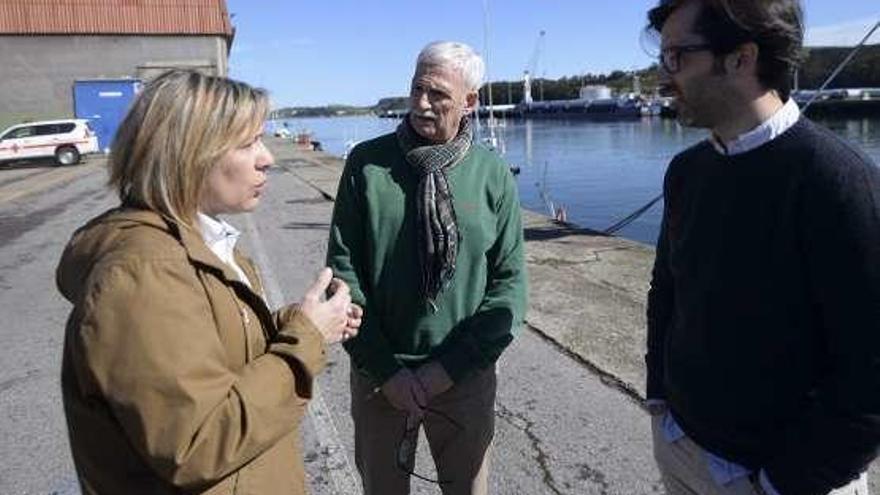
[(354, 52)]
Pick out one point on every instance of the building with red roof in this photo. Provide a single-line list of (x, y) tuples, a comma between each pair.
[(49, 47)]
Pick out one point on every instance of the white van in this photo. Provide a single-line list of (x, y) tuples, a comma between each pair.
[(65, 140)]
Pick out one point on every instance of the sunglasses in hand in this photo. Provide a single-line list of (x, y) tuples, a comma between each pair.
[(406, 446)]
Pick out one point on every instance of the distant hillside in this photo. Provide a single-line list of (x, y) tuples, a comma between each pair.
[(568, 87), (862, 71), (328, 111), (394, 103)]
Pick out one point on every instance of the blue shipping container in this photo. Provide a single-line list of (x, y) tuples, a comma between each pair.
[(104, 103)]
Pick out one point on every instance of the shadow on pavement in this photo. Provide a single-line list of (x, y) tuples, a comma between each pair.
[(558, 230)]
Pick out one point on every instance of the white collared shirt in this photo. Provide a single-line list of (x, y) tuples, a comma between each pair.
[(765, 132), (221, 238)]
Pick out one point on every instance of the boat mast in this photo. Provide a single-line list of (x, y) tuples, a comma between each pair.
[(491, 121)]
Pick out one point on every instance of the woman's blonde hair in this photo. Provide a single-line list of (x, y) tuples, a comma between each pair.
[(177, 129)]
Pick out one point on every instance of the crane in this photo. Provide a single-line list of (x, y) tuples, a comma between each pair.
[(532, 67)]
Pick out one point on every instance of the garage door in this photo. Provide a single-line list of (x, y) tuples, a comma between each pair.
[(104, 103)]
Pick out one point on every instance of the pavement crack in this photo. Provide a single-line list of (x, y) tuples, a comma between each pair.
[(608, 378), (522, 423), (593, 475), (324, 194), (300, 163), (612, 249), (15, 226), (39, 173), (11, 382), (318, 200), (558, 262)]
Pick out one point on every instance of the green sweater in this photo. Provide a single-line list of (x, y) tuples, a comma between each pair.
[(373, 247)]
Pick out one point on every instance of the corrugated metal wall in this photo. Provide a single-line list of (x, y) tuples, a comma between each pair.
[(114, 17)]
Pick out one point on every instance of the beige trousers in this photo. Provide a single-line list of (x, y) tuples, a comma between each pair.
[(461, 453), (685, 471)]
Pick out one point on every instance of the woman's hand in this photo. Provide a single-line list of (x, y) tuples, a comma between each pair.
[(355, 316), (336, 318)]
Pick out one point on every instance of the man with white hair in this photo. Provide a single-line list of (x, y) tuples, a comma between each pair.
[(427, 232)]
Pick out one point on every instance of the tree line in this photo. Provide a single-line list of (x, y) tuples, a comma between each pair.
[(863, 71), (819, 63)]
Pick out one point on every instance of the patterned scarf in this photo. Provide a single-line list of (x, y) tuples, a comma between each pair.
[(438, 233)]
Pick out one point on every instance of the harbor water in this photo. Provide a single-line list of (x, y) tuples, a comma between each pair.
[(598, 172)]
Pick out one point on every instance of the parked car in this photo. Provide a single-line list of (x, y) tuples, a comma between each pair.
[(64, 140)]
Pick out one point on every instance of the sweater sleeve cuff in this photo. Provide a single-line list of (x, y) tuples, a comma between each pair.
[(378, 368), (385, 370), (458, 364)]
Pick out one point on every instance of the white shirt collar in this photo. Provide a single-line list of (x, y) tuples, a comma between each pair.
[(221, 238), (216, 231), (765, 132)]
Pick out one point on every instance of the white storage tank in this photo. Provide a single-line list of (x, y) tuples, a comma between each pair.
[(595, 92)]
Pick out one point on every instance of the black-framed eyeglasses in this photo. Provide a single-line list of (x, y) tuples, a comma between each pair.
[(670, 56), (406, 447)]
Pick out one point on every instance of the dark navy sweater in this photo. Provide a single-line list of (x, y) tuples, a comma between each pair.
[(764, 307)]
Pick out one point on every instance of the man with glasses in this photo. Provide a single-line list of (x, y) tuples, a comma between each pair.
[(427, 232), (764, 308)]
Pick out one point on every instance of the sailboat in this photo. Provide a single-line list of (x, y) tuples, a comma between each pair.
[(493, 136)]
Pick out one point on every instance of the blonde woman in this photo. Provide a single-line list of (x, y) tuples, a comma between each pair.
[(176, 376)]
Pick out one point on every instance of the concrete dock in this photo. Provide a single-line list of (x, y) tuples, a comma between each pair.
[(569, 418), (587, 291), (578, 436)]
